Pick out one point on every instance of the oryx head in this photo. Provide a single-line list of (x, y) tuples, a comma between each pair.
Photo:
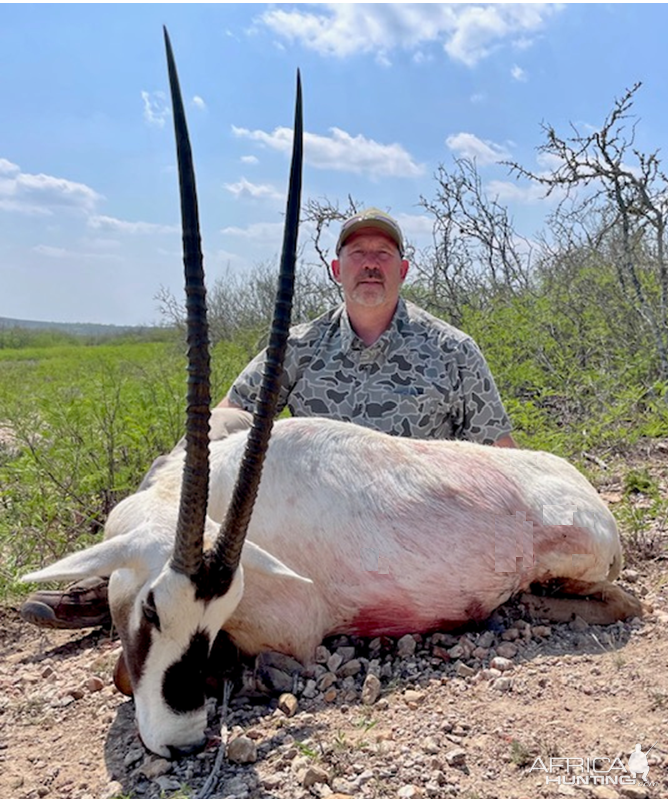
[(169, 595)]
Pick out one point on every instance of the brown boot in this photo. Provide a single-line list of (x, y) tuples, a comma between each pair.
[(83, 604)]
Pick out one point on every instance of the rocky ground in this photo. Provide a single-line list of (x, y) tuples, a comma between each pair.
[(443, 715), (435, 716)]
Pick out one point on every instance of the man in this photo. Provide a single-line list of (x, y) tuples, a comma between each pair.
[(376, 360)]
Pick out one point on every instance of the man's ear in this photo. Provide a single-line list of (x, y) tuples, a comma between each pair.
[(404, 266), (335, 269)]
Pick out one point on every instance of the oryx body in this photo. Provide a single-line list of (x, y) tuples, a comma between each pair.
[(395, 535)]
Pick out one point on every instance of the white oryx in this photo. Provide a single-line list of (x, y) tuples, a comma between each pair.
[(352, 531)]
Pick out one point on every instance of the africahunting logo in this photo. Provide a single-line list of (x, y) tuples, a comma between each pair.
[(596, 770)]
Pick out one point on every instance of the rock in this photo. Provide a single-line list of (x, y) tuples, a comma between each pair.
[(314, 775), (236, 787), (343, 787), (324, 682), (540, 631), (112, 790), (133, 756), (330, 695), (371, 690), (406, 646), (409, 792), (276, 672), (309, 691), (154, 767), (166, 783), (94, 684), (288, 704), (242, 750), (506, 650), (486, 639), (456, 757), (430, 746), (442, 653), (346, 652), (412, 699), (481, 653), (510, 635), (502, 663), (321, 655), (579, 625), (350, 668), (272, 781), (502, 684), (463, 670), (334, 662)]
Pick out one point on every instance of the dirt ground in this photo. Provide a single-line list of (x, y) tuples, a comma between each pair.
[(438, 730)]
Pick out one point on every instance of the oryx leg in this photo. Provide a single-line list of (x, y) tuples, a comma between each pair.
[(597, 603)]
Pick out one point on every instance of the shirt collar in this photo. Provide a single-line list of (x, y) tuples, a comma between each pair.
[(349, 339)]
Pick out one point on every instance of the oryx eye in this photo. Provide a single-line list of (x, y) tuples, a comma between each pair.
[(149, 611)]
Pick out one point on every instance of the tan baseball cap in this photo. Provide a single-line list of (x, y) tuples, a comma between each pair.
[(374, 218)]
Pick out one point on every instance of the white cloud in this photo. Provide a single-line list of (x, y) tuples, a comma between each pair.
[(199, 103), (258, 232), (156, 109), (61, 252), (244, 188), (415, 226), (249, 159), (519, 74), (8, 168), (467, 145), (477, 97), (341, 152), (110, 224), (467, 32), (42, 194)]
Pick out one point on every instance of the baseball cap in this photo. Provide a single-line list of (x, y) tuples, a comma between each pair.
[(374, 218)]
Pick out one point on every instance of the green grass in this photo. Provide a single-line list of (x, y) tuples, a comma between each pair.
[(81, 425)]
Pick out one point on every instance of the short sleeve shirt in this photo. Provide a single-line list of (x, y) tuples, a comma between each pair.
[(423, 378)]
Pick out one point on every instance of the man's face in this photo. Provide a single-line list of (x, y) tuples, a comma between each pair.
[(370, 269)]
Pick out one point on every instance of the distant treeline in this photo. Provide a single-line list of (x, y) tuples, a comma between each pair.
[(21, 334)]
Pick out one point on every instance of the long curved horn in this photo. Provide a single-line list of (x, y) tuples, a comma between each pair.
[(187, 555), (228, 547)]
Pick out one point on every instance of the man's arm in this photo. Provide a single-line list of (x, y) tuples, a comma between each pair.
[(226, 403), (506, 441)]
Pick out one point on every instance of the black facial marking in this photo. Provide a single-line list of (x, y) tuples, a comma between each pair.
[(212, 581), (136, 654), (184, 681), (149, 611)]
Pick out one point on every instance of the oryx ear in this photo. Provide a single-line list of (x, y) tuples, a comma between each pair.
[(100, 560), (256, 558)]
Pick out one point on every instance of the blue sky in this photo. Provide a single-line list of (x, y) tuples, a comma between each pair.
[(88, 192)]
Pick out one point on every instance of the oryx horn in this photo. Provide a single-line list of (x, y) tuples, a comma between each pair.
[(187, 555), (228, 547)]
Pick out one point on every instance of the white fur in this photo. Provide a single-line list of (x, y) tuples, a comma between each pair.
[(393, 535)]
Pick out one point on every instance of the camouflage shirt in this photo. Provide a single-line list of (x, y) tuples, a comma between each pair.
[(422, 378)]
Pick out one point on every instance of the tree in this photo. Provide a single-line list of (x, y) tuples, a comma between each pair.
[(630, 197)]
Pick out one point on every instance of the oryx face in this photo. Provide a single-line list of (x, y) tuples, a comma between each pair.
[(167, 636)]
